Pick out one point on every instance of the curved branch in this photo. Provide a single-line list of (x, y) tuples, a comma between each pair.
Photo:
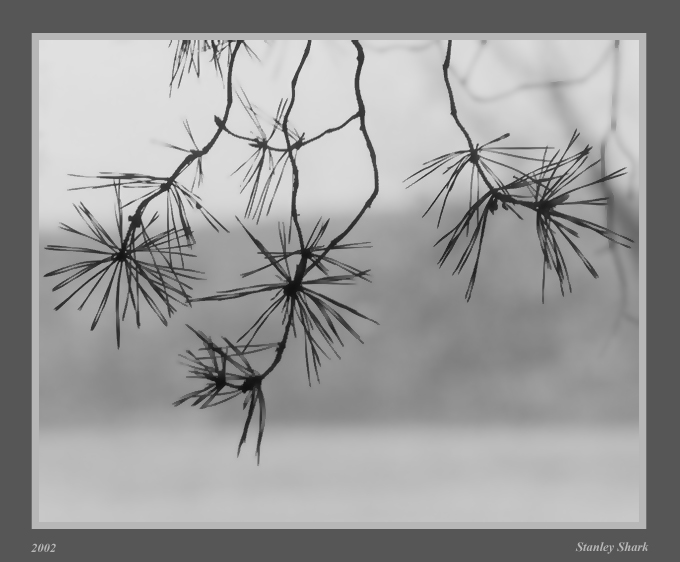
[(454, 114), (191, 156), (290, 148), (452, 102), (369, 145), (295, 145)]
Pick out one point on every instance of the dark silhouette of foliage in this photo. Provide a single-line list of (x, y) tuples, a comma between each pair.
[(146, 261), (546, 196), (297, 296), (149, 266), (227, 385), (188, 57)]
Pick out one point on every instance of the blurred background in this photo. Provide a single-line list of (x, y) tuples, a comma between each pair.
[(502, 409)]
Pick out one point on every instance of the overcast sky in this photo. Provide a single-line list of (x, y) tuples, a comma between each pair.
[(104, 105)]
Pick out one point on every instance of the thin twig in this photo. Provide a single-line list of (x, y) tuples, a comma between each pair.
[(371, 151), (289, 147)]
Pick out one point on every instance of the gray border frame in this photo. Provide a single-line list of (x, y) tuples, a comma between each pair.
[(543, 544)]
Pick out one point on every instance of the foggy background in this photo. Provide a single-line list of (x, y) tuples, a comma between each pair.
[(502, 409)]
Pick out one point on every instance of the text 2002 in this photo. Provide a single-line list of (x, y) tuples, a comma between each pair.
[(44, 548)]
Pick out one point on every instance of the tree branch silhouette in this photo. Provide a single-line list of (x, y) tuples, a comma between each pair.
[(138, 264)]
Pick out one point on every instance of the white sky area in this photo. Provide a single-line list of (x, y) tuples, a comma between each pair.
[(104, 107)]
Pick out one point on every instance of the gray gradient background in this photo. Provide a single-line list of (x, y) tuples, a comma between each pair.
[(501, 409)]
